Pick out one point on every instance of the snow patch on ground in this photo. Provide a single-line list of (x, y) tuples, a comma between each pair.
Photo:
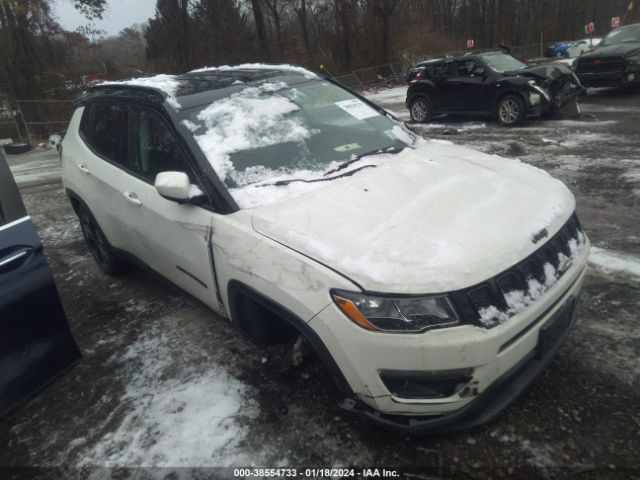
[(172, 417), (64, 231), (42, 170), (575, 140), (391, 95), (615, 263)]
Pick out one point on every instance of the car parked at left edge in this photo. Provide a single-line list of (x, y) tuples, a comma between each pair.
[(36, 345)]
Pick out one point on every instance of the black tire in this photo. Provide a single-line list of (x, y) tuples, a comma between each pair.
[(510, 111), (99, 246), (16, 148), (420, 110)]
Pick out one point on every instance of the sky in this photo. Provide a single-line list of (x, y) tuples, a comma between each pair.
[(119, 14)]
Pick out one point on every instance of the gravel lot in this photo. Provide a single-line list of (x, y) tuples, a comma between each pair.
[(166, 383)]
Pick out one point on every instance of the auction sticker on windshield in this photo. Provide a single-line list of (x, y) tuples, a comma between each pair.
[(357, 109)]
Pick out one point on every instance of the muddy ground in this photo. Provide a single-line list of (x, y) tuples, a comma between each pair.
[(166, 383)]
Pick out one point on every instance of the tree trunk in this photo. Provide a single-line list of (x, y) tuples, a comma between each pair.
[(261, 29), (302, 16)]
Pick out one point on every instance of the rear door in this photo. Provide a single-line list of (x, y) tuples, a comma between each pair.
[(442, 98), (36, 346)]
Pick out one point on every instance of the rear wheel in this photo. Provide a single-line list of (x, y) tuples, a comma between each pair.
[(98, 244), (510, 111), (420, 110)]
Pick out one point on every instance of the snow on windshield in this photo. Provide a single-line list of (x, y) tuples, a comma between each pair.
[(243, 121), (500, 62), (261, 135), (165, 83)]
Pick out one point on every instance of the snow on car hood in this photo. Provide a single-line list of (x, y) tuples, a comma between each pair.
[(429, 220)]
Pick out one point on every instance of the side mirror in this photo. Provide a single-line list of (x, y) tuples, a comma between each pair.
[(176, 186), (479, 71)]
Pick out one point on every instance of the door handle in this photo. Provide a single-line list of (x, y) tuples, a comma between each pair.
[(13, 260), (133, 198), (83, 168)]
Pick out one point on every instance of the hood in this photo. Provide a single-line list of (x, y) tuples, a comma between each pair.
[(543, 72), (434, 219), (621, 49)]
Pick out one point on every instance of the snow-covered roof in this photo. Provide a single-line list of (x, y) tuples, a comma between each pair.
[(171, 85), (258, 66)]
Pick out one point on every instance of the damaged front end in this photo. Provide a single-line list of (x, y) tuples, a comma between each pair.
[(552, 88)]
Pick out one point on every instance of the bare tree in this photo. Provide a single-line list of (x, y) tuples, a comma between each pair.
[(261, 28)]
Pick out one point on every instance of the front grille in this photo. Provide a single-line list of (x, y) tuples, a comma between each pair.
[(600, 64), (492, 302)]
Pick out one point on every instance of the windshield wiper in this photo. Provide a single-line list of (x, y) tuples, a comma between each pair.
[(282, 183), (397, 148)]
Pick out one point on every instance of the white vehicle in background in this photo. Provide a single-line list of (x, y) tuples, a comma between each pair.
[(582, 46), (433, 281)]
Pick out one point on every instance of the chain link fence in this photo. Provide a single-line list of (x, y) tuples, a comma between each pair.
[(32, 121)]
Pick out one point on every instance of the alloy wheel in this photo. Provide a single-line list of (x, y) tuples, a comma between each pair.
[(419, 111), (509, 111)]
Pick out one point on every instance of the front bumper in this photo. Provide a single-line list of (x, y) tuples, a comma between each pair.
[(488, 405), (503, 360), (609, 79)]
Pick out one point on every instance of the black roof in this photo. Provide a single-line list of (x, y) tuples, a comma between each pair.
[(198, 87), (458, 57)]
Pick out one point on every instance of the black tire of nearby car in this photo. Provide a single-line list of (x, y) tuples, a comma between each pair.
[(98, 244), (420, 110), (510, 111), (16, 148)]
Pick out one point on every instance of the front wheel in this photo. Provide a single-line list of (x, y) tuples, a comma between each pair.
[(420, 110), (510, 111)]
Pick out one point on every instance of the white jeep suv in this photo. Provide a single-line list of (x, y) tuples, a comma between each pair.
[(433, 281)]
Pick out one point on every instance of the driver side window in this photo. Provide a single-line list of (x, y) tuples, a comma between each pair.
[(155, 148), (466, 68)]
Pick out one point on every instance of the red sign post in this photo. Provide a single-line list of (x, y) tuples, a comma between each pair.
[(589, 28), (471, 43)]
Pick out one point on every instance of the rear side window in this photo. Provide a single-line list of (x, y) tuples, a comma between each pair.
[(105, 128), (443, 69), (155, 148)]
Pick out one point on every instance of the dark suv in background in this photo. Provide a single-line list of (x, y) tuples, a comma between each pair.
[(615, 62), (490, 83)]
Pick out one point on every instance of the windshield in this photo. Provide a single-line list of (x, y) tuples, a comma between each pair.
[(274, 130), (499, 62), (622, 35)]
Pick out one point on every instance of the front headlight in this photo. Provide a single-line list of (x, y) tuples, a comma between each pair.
[(634, 60), (542, 92), (396, 314)]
